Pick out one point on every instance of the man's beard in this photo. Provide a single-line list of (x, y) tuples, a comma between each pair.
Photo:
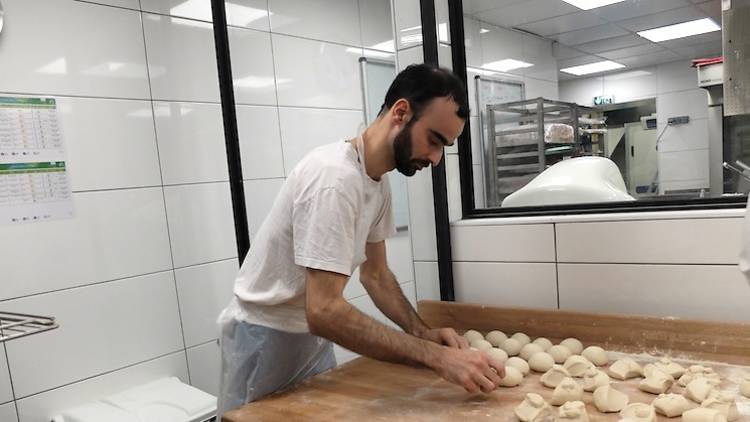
[(402, 152)]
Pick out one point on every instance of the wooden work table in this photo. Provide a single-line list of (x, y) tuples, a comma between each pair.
[(368, 390)]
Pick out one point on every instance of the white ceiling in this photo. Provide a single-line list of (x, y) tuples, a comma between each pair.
[(605, 33)]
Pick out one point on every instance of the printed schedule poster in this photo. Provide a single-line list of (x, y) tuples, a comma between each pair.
[(34, 182)]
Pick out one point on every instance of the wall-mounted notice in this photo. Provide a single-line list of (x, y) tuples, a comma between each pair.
[(34, 182)]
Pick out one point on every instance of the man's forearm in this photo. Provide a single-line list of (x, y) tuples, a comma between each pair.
[(345, 325), (390, 299)]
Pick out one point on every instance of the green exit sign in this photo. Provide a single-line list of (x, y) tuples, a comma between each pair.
[(604, 99)]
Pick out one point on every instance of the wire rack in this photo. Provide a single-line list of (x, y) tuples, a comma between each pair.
[(13, 325)]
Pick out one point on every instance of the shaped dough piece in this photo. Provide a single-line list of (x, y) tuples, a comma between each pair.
[(593, 379), (519, 364), (639, 412), (541, 362), (498, 354), (625, 369), (543, 342), (534, 409), (473, 335), (607, 399), (521, 338), (567, 390), (577, 365), (573, 344), (702, 414), (656, 382), (698, 390), (559, 353), (745, 387), (554, 376), (511, 347), (667, 366), (725, 403), (529, 350), (481, 344), (573, 411), (691, 373), (596, 355), (513, 377), (496, 338), (672, 405)]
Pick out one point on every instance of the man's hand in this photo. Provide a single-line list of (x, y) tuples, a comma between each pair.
[(473, 370), (446, 337)]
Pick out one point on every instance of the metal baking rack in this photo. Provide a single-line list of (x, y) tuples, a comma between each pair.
[(14, 326)]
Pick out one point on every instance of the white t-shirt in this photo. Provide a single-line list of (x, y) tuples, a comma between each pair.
[(325, 213)]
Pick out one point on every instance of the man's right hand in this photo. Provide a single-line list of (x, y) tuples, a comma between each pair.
[(472, 370)]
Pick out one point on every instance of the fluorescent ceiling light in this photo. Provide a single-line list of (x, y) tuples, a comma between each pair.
[(592, 68), (680, 30), (483, 30), (591, 4), (506, 65)]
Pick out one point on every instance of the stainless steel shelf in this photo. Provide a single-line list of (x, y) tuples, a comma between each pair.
[(14, 326)]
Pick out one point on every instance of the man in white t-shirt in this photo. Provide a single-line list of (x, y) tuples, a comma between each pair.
[(332, 215)]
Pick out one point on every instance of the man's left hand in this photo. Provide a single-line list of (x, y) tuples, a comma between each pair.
[(446, 337)]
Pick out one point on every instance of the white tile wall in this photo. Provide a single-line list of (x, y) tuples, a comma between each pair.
[(453, 187), (6, 392), (111, 64), (252, 67), (114, 234), (125, 157), (203, 291), (44, 406), (130, 4), (408, 24), (689, 241), (398, 254), (473, 42), (517, 243), (303, 129), (191, 9), (506, 284), (377, 26), (684, 291), (204, 363), (191, 142), (501, 44), (251, 14), (312, 19), (263, 193), (136, 317), (422, 216), (176, 76), (8, 412), (260, 142), (201, 223), (316, 74), (427, 280)]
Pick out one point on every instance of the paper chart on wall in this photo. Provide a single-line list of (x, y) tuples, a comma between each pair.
[(34, 184)]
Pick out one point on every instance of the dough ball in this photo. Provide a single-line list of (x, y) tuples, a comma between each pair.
[(672, 368), (511, 347), (513, 377), (671, 405), (745, 387), (522, 338), (498, 354), (595, 355), (473, 335), (625, 369), (534, 409), (554, 376), (496, 338), (656, 382), (528, 350), (593, 379), (698, 390), (607, 399), (725, 403), (481, 344), (639, 412), (519, 364), (559, 353), (541, 362), (567, 390), (544, 343), (701, 414), (577, 365), (573, 344), (573, 411)]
